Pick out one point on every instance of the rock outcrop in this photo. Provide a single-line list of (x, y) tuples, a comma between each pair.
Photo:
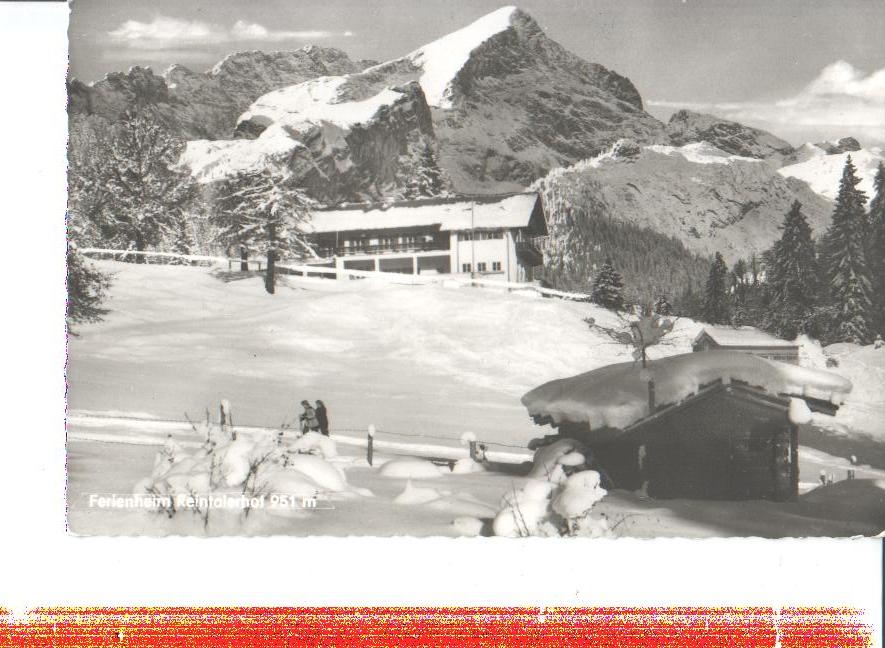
[(708, 199), (206, 105), (686, 127)]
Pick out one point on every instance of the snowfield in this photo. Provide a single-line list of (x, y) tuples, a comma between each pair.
[(823, 172), (431, 368)]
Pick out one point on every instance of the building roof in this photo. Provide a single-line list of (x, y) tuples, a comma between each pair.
[(450, 214), (742, 336), (616, 396)]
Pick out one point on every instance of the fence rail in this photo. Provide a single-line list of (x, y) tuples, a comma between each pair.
[(347, 273)]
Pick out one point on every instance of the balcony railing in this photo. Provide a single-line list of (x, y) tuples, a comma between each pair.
[(387, 248)]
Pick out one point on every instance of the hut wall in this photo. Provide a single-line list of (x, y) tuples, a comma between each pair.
[(724, 446)]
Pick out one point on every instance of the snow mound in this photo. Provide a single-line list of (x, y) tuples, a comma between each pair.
[(468, 527), (617, 396), (581, 492), (549, 457), (442, 60), (320, 471), (315, 443), (410, 469), (465, 466), (524, 511), (413, 495), (823, 172), (799, 412), (700, 153)]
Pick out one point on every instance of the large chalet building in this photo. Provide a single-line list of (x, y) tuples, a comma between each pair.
[(496, 237)]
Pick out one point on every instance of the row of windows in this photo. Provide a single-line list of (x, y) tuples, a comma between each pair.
[(388, 241), (481, 267), (480, 236)]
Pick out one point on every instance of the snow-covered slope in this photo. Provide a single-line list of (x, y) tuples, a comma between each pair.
[(442, 60), (426, 360), (822, 172), (710, 200), (414, 359)]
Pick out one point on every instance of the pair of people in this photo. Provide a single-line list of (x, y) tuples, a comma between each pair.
[(314, 419)]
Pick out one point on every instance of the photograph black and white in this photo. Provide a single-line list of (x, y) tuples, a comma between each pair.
[(606, 269)]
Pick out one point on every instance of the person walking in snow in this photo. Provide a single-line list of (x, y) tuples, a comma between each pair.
[(322, 418), (309, 422)]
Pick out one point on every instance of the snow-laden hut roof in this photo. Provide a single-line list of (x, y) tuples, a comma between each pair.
[(450, 214), (742, 336), (616, 396)]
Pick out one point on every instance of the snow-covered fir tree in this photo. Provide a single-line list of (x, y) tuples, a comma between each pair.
[(663, 306), (717, 306), (608, 287), (876, 249), (792, 277), (424, 179), (845, 256), (135, 191), (263, 212), (86, 289)]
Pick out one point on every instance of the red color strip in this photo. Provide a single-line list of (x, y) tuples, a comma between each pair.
[(462, 626)]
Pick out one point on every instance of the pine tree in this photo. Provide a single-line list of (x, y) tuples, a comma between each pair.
[(792, 277), (132, 189), (847, 269), (876, 249), (263, 211), (717, 309), (608, 289), (86, 289), (425, 179), (663, 307)]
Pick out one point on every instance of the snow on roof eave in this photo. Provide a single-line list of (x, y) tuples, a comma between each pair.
[(754, 337), (616, 396), (512, 211)]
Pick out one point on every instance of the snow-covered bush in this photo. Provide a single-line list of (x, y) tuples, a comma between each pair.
[(258, 469), (557, 499)]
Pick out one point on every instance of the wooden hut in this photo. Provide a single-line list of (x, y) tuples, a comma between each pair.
[(746, 339), (713, 425)]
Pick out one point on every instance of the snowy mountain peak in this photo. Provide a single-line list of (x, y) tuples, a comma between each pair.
[(442, 59), (822, 171)]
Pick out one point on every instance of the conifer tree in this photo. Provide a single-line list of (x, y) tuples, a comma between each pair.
[(663, 306), (608, 288), (426, 178), (137, 192), (792, 277), (86, 289), (263, 211), (717, 309), (876, 249), (847, 270)]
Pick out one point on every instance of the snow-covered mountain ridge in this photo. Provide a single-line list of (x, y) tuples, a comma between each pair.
[(198, 105), (491, 135)]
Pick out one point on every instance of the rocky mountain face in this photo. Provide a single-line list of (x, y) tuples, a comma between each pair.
[(686, 127), (489, 133), (843, 145), (206, 105), (708, 199)]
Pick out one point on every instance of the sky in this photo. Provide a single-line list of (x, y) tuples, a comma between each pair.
[(803, 69)]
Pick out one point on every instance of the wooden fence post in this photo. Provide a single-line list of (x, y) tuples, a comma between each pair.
[(473, 450), (369, 447)]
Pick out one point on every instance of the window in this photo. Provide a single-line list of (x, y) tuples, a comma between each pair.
[(496, 266), (465, 267), (481, 267)]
